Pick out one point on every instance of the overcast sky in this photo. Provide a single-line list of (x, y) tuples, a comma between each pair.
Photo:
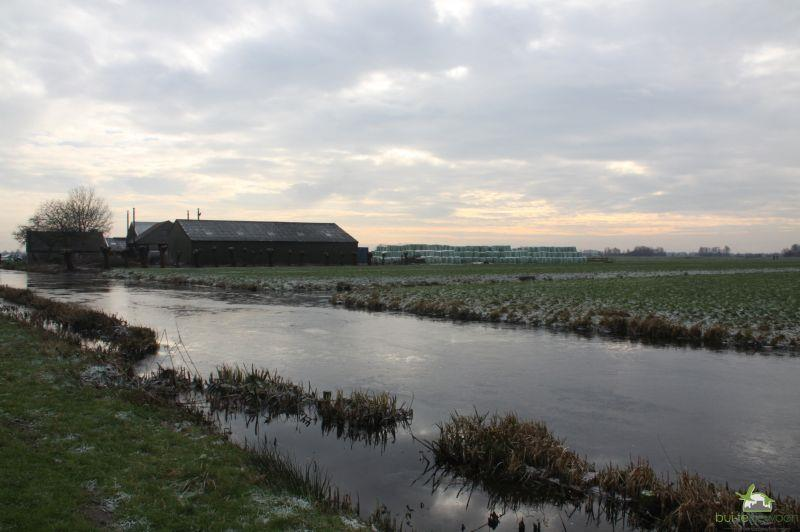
[(567, 122)]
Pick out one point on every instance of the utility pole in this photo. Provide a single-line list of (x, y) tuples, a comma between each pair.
[(187, 214), (198, 214)]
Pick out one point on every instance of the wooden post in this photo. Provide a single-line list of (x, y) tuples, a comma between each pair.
[(106, 263), (162, 255), (143, 252), (68, 260)]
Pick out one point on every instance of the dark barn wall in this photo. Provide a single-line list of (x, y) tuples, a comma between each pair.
[(154, 236), (178, 245), (255, 253), (252, 252)]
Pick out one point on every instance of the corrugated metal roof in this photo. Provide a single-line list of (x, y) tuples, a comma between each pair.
[(233, 231), (141, 227)]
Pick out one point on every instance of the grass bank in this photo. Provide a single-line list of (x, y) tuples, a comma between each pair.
[(752, 310), (88, 457)]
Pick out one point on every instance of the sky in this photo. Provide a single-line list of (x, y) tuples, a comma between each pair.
[(561, 122)]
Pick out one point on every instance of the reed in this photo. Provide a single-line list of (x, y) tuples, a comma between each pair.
[(506, 455), (359, 415), (237, 387), (505, 449)]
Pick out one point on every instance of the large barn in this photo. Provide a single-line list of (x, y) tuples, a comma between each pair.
[(218, 242)]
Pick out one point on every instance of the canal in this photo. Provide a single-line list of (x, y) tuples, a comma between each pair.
[(730, 416)]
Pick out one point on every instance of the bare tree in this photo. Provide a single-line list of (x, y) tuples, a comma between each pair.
[(81, 212)]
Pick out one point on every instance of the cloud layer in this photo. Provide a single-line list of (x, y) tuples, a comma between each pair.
[(564, 121)]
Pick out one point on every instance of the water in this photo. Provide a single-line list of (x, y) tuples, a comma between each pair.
[(731, 416)]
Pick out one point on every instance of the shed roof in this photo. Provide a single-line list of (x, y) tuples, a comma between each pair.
[(140, 227), (235, 231), (155, 234)]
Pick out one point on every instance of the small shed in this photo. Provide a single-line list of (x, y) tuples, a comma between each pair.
[(217, 242), (117, 244), (50, 246)]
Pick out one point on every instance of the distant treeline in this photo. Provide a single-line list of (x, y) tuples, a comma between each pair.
[(703, 251)]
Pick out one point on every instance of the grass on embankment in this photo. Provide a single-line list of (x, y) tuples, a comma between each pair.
[(76, 457), (746, 310)]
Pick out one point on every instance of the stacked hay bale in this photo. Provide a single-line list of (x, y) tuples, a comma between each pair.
[(443, 254)]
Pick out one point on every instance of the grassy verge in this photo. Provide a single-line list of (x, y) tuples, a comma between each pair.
[(751, 310), (86, 457)]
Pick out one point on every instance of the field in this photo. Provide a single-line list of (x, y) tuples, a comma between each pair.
[(89, 458), (326, 278), (745, 310)]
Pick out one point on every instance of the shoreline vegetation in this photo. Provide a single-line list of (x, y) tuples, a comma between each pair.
[(501, 450), (750, 304), (107, 434), (91, 445)]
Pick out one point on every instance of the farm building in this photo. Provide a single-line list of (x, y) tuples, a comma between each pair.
[(137, 229), (50, 247), (117, 244), (157, 233), (217, 242)]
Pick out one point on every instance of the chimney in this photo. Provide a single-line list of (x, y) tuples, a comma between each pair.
[(187, 214), (134, 215), (127, 219), (198, 214)]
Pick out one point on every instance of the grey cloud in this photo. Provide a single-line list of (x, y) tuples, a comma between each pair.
[(703, 95)]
